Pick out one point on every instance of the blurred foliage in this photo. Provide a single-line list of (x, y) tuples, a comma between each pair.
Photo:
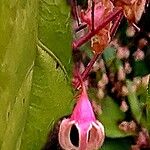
[(117, 144), (111, 117)]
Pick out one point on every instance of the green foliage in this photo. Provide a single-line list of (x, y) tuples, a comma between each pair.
[(34, 83), (54, 29), (140, 68), (134, 102), (111, 117), (109, 55), (111, 61), (148, 108), (18, 29), (117, 144), (47, 100)]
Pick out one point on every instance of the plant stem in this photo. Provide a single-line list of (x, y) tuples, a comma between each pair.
[(85, 73), (116, 24), (90, 34), (113, 30)]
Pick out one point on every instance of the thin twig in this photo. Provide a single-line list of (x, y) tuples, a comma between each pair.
[(116, 24), (85, 73)]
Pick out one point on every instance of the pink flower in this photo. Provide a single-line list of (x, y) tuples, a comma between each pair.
[(90, 131)]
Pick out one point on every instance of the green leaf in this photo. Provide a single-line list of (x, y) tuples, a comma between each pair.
[(142, 94), (109, 54), (140, 68), (134, 102), (110, 118), (117, 144), (111, 61), (50, 99), (54, 29), (18, 30), (148, 107), (18, 116), (34, 85)]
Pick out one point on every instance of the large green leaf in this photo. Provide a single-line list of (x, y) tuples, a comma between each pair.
[(50, 99), (54, 29), (18, 30), (34, 85)]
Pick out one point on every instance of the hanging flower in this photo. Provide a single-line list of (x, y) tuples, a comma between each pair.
[(90, 131)]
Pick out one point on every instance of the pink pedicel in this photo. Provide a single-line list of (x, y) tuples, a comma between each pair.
[(90, 130)]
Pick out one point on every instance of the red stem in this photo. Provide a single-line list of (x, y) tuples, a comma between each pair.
[(85, 73), (116, 24), (113, 30), (90, 34)]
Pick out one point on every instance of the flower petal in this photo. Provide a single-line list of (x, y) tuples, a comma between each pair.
[(64, 135), (83, 135), (96, 136)]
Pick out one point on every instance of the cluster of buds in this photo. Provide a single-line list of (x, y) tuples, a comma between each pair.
[(90, 131)]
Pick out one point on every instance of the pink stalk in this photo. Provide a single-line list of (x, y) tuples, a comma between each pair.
[(113, 30), (85, 73)]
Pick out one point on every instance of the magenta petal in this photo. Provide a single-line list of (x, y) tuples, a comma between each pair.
[(83, 111)]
